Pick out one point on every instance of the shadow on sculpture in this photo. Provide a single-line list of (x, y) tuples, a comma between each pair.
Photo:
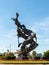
[(27, 35)]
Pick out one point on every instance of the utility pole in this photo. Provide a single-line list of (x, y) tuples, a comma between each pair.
[(10, 47)]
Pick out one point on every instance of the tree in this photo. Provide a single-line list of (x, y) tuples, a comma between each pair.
[(46, 55), (34, 54), (29, 56), (8, 56)]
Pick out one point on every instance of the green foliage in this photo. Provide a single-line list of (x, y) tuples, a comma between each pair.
[(0, 56), (46, 55), (37, 57), (8, 56), (34, 54), (29, 56)]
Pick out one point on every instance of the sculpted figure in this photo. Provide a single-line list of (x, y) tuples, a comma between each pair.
[(28, 36)]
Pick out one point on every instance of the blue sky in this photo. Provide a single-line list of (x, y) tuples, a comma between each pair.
[(33, 13)]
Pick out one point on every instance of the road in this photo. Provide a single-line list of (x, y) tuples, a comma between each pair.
[(24, 64)]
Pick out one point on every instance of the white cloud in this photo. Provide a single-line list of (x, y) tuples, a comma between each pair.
[(41, 28), (8, 38)]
